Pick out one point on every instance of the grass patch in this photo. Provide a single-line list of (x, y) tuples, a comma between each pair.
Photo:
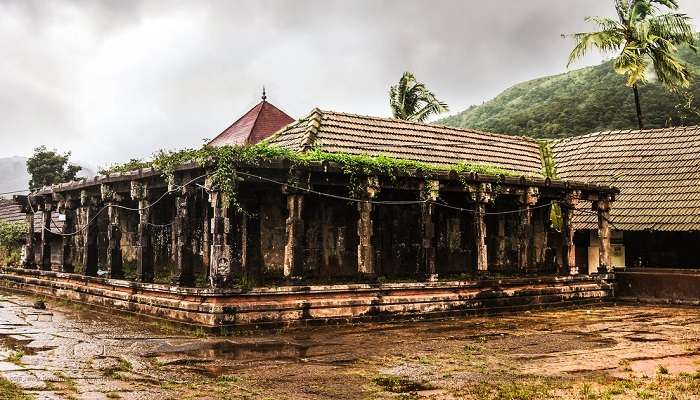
[(10, 391), (117, 371), (398, 384), (16, 357), (662, 370)]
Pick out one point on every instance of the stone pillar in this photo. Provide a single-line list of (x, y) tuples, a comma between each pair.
[(603, 208), (366, 257), (46, 211), (528, 200), (220, 254), (483, 197), (183, 238), (294, 248), (114, 234), (89, 204), (428, 257), (67, 207), (567, 230), (29, 260), (501, 242), (144, 248), (206, 229)]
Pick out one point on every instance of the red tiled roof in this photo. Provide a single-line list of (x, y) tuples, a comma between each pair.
[(260, 122), (440, 145), (656, 170)]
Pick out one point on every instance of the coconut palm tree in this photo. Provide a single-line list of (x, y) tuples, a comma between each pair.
[(410, 100), (646, 34)]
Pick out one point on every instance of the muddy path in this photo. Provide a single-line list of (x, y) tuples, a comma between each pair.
[(66, 352)]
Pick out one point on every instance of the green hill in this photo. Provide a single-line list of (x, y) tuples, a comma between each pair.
[(581, 101)]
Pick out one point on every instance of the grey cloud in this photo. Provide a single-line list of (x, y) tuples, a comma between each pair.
[(111, 80)]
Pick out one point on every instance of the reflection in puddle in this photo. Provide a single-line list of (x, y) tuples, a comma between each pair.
[(230, 350)]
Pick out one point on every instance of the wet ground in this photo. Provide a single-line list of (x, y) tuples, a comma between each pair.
[(67, 352)]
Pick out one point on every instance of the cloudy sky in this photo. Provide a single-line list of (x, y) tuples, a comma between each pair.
[(112, 80)]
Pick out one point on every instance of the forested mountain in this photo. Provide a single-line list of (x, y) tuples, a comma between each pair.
[(581, 101)]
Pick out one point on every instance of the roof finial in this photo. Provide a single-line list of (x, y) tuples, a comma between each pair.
[(264, 97)]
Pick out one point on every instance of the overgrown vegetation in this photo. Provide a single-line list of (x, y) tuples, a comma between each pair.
[(11, 235), (226, 161), (581, 101)]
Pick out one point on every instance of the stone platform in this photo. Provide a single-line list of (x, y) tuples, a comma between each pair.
[(290, 305)]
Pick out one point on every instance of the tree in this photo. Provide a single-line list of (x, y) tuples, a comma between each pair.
[(47, 167), (642, 35), (410, 100)]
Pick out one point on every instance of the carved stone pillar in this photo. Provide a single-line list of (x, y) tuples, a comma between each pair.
[(501, 242), (528, 200), (427, 260), (366, 257), (482, 197), (206, 228), (89, 204), (603, 209), (183, 238), (220, 266), (115, 261), (294, 248), (67, 207), (144, 248), (567, 230), (46, 211), (29, 259)]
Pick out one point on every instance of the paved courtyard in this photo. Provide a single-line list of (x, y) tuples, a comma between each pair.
[(596, 352)]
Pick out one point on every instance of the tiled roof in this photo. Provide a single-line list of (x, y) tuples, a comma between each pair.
[(440, 145), (10, 211), (260, 122), (657, 172)]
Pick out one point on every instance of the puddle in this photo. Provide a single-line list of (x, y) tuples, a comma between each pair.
[(230, 350), (15, 343)]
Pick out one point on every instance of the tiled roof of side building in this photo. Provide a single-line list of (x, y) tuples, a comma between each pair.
[(656, 170), (356, 134), (11, 212)]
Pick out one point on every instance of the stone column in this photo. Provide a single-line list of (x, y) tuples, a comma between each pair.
[(89, 204), (366, 258), (29, 260), (46, 211), (428, 258), (294, 248), (567, 230), (603, 208), (483, 197), (528, 200), (67, 207), (220, 253), (115, 261), (183, 238), (501, 242), (206, 229), (144, 248)]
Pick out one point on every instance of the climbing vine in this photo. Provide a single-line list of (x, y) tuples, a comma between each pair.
[(225, 161), (549, 170)]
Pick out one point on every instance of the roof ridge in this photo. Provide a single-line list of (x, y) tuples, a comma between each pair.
[(415, 123), (630, 131), (313, 124)]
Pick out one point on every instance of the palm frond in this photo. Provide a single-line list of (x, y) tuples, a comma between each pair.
[(605, 41)]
